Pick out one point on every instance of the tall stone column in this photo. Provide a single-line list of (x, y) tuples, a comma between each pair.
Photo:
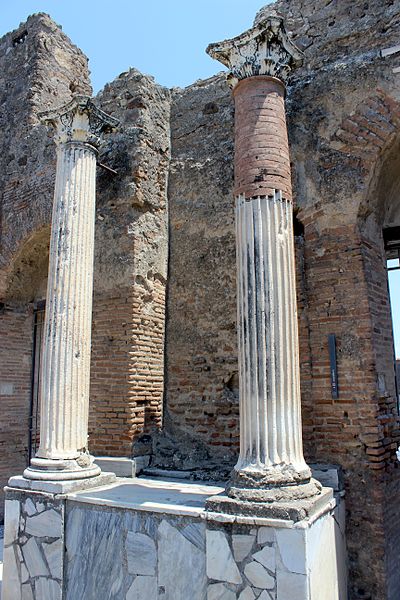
[(65, 366), (271, 465)]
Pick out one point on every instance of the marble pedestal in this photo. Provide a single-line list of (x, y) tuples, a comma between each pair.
[(34, 535), (147, 539)]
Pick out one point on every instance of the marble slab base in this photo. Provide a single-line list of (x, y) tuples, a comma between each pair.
[(151, 539), (61, 487)]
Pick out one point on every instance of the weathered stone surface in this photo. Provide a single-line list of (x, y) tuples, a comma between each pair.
[(242, 545), (196, 533), (93, 540), (130, 270), (47, 588), (266, 557), (192, 579), (27, 592), (143, 588), (29, 507), (220, 562), (54, 556), (12, 515), (46, 524), (141, 554), (34, 560), (11, 581), (247, 594), (292, 547), (259, 576), (291, 585), (219, 591), (265, 535), (265, 595)]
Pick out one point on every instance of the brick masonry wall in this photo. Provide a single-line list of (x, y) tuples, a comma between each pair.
[(127, 369), (15, 386)]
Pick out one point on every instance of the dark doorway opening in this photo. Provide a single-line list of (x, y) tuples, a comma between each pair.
[(34, 413)]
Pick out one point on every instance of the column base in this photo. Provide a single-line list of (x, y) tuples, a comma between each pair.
[(68, 486), (290, 509), (273, 484), (47, 469)]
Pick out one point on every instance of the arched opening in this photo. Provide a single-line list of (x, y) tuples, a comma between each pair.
[(379, 228), (20, 322)]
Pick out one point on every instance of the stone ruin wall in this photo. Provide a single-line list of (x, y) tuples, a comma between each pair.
[(343, 116), (127, 377)]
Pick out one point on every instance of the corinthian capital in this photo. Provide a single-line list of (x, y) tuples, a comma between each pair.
[(263, 50), (79, 121)]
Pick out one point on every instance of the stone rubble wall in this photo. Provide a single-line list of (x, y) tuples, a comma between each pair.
[(33, 547), (131, 252)]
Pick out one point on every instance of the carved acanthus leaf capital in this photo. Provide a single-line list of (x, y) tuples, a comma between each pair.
[(79, 121), (263, 50)]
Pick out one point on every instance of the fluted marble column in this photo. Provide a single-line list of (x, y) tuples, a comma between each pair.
[(65, 366), (271, 466)]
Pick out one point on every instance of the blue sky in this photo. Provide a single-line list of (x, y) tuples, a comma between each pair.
[(394, 286), (163, 38)]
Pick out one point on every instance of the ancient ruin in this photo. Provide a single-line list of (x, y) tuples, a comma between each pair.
[(242, 378)]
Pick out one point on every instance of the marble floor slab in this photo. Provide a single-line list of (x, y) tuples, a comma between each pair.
[(172, 496)]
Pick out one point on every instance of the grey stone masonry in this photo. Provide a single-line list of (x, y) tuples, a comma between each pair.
[(33, 546)]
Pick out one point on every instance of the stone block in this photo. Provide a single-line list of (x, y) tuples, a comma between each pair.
[(141, 554), (11, 521), (47, 589), (143, 588), (266, 557), (292, 548), (294, 585), (27, 592), (220, 562), (176, 552), (46, 524), (247, 594), (121, 466), (11, 578), (54, 557), (219, 591), (265, 535), (259, 576), (242, 545), (34, 560)]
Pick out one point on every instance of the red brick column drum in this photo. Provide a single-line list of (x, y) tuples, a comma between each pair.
[(262, 163)]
